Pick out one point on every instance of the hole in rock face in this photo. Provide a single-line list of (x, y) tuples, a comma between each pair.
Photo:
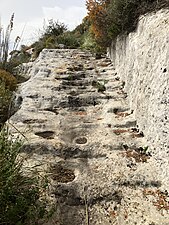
[(81, 140), (45, 134), (62, 174), (165, 70), (52, 110)]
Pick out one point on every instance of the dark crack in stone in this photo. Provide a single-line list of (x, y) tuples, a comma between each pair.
[(45, 134)]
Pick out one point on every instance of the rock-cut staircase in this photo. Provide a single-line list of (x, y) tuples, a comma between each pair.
[(79, 129)]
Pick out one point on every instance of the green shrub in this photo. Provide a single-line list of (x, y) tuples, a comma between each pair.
[(82, 28), (99, 85), (110, 18), (8, 79), (19, 194), (69, 39), (11, 65), (53, 28), (5, 99), (48, 37), (50, 42), (123, 15), (8, 84), (39, 46), (89, 43)]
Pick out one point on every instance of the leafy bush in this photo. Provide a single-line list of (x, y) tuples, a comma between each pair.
[(83, 38), (48, 36), (99, 85), (8, 79), (110, 18), (82, 28), (89, 43), (19, 194), (8, 84), (69, 39), (124, 14), (5, 100), (53, 28), (56, 33), (50, 42), (98, 17), (11, 65), (39, 46)]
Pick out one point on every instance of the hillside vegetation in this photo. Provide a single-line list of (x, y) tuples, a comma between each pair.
[(20, 195), (110, 18)]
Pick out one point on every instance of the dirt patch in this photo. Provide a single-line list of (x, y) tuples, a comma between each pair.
[(136, 155), (81, 140), (81, 113), (160, 198), (134, 132), (62, 174)]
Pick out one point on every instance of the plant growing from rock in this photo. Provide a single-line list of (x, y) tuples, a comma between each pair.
[(19, 192), (5, 99), (8, 79), (8, 84), (17, 57), (4, 42), (100, 86)]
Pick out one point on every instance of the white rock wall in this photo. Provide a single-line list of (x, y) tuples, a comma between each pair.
[(142, 61)]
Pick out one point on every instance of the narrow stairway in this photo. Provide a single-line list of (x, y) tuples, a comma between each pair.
[(76, 118)]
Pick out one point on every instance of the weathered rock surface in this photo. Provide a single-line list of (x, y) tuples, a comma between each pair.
[(142, 62), (79, 128)]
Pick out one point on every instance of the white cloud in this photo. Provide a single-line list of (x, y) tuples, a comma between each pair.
[(29, 32), (71, 16), (69, 12)]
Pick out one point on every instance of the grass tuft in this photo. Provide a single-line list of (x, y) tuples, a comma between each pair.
[(20, 194)]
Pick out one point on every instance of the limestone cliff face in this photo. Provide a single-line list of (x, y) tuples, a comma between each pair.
[(142, 61)]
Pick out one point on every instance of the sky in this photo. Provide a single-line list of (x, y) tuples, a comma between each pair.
[(31, 14)]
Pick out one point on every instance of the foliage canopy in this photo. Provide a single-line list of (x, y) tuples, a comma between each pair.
[(110, 18)]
